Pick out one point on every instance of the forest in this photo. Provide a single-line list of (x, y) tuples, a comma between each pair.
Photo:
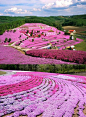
[(76, 20), (9, 22)]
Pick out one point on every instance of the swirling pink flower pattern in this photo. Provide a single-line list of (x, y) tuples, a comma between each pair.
[(41, 93)]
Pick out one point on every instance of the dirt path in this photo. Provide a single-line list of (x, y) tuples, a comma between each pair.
[(80, 74), (20, 116)]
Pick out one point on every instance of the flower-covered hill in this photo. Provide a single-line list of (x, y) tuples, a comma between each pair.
[(41, 94), (14, 35), (37, 36), (31, 36)]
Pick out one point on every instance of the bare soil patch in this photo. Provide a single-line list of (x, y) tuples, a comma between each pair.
[(19, 50), (76, 112), (84, 111)]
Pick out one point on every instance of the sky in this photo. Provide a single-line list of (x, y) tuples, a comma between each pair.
[(42, 7)]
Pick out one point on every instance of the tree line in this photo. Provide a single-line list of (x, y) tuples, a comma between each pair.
[(77, 20), (11, 25), (51, 68), (7, 22)]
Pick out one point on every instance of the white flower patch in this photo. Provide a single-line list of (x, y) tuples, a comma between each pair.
[(63, 77)]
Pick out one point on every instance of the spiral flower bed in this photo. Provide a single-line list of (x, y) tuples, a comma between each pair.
[(37, 93)]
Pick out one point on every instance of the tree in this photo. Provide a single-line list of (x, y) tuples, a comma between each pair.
[(20, 36), (14, 31), (9, 40), (27, 31), (31, 33), (32, 40), (6, 39), (39, 35), (38, 31), (66, 32)]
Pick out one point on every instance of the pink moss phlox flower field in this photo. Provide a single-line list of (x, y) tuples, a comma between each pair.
[(34, 93), (15, 36), (66, 55), (38, 35), (10, 55)]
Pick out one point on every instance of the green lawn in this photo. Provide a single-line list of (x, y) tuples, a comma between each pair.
[(81, 46), (1, 72)]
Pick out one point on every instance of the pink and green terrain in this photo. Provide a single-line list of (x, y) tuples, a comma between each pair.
[(42, 94), (36, 36)]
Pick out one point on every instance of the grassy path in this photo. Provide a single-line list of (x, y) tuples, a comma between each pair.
[(2, 72)]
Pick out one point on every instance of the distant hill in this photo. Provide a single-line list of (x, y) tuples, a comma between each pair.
[(9, 22), (75, 20)]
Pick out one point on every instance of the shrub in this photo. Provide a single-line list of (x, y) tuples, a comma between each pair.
[(39, 35), (64, 40), (27, 31), (8, 30), (6, 39), (66, 32), (42, 33), (14, 30), (19, 36), (32, 40), (9, 40), (74, 37), (38, 31), (31, 33)]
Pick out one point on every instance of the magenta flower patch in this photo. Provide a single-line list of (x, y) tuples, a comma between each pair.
[(65, 55)]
